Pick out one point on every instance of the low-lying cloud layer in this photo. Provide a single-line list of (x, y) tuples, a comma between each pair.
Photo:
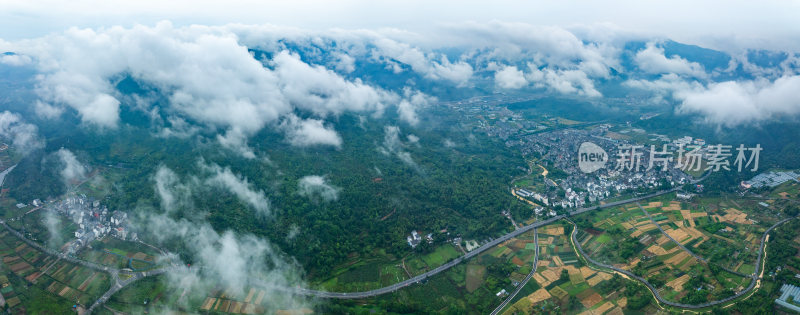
[(393, 145), (653, 60), (220, 260), (206, 75), (176, 193), (733, 103), (309, 132), (223, 177), (315, 186), (72, 170), (23, 136), (239, 79)]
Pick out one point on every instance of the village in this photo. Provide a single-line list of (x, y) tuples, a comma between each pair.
[(555, 182), (93, 220)]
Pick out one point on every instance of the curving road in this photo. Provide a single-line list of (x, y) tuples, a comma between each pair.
[(134, 276), (473, 253), (658, 297), (118, 283), (527, 278), (48, 251)]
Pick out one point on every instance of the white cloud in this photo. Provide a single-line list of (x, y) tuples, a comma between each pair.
[(78, 67), (236, 141), (733, 103), (392, 144), (208, 76), (412, 101), (322, 91), (229, 260), (552, 46), (15, 60), (652, 60), (408, 112), (510, 78), (239, 186), (665, 85), (219, 258), (309, 132), (344, 63), (212, 80), (24, 137), (45, 110), (768, 23), (72, 170), (172, 192), (391, 140), (294, 231), (459, 72), (54, 229), (176, 193), (179, 128), (316, 186), (563, 81)]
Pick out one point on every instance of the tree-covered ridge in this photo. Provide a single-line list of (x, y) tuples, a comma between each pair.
[(460, 186)]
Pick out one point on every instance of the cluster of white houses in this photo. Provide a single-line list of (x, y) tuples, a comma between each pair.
[(94, 221), (415, 238), (687, 140)]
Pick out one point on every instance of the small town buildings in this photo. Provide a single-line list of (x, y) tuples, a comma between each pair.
[(414, 239)]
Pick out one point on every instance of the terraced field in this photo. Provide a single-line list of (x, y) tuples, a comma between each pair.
[(28, 273), (563, 281), (725, 238)]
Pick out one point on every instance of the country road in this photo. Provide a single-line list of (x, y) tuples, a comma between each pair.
[(753, 279), (120, 284), (514, 193), (117, 283), (686, 249), (527, 278), (48, 251)]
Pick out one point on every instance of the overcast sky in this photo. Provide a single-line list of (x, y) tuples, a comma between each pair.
[(718, 24)]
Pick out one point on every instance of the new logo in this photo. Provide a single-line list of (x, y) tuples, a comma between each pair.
[(591, 157)]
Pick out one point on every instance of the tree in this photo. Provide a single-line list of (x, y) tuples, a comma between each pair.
[(564, 275), (792, 210), (657, 282), (574, 303)]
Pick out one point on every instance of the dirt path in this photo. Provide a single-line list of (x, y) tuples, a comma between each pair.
[(403, 263), (514, 192), (388, 215)]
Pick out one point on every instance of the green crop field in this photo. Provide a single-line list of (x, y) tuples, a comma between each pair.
[(441, 255), (603, 238)]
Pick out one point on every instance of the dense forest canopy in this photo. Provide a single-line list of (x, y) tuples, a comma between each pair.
[(461, 188)]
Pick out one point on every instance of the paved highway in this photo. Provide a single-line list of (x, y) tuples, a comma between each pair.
[(473, 253), (119, 284)]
